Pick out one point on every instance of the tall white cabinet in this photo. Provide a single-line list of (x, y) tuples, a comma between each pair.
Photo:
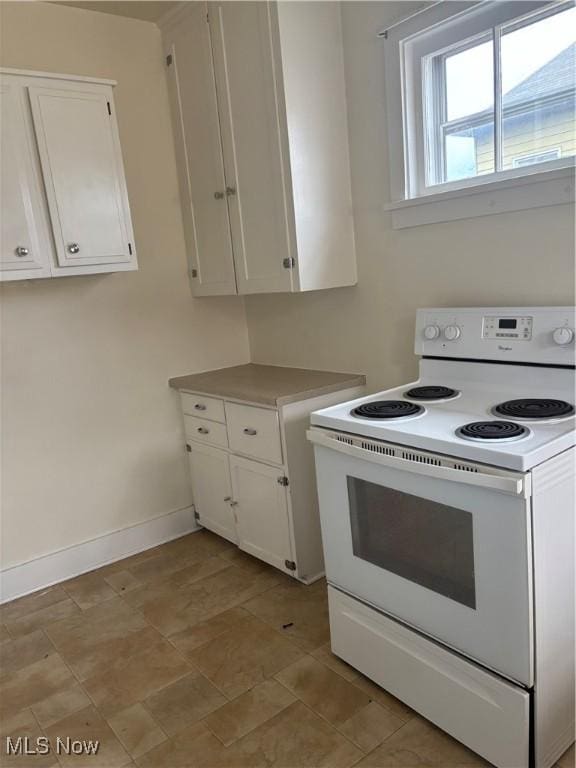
[(259, 114), (64, 199)]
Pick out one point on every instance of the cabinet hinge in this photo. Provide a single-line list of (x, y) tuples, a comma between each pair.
[(289, 262), (194, 272), (290, 565), (169, 60), (283, 480), (109, 107), (208, 18), (196, 515), (130, 248), (188, 448)]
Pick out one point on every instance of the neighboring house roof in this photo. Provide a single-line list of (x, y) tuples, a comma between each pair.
[(555, 77)]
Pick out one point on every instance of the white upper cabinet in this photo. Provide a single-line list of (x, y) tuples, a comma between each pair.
[(259, 112), (199, 154), (83, 183), (71, 177), (24, 237), (253, 144)]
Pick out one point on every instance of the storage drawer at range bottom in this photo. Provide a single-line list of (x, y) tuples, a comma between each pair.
[(479, 709)]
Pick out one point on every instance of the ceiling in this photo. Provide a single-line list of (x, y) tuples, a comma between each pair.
[(145, 10)]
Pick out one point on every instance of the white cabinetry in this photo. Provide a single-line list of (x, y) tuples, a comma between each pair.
[(212, 489), (261, 511), (64, 194), (259, 115), (199, 154), (25, 240), (253, 477)]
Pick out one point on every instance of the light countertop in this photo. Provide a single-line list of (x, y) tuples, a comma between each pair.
[(266, 384)]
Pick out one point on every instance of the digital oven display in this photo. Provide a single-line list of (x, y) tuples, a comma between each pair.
[(509, 328)]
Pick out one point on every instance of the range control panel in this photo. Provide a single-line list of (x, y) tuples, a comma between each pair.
[(496, 327), (544, 335)]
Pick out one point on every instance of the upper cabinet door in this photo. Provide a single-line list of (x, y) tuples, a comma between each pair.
[(255, 145), (25, 241), (83, 175), (199, 153)]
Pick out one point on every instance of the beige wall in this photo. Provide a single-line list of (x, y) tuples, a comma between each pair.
[(91, 435), (520, 258)]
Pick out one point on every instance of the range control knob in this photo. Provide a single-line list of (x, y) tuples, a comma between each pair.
[(451, 332), (563, 335), (431, 332)]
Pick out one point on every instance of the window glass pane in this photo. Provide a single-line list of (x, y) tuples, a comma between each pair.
[(538, 86), (423, 541), (469, 151), (469, 82), (469, 129), (462, 139)]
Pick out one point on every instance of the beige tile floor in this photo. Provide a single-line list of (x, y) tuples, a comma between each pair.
[(195, 654)]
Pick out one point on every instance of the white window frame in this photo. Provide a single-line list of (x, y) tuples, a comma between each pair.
[(407, 44)]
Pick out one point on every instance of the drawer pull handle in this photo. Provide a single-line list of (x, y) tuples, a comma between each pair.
[(227, 498), (250, 431), (200, 407), (203, 431)]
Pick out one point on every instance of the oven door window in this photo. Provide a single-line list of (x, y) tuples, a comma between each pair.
[(423, 541)]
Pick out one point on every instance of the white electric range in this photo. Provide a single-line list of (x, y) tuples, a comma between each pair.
[(447, 511)]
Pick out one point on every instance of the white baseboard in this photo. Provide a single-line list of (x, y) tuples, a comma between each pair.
[(20, 580)]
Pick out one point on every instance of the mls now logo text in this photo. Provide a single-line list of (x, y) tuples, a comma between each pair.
[(24, 745)]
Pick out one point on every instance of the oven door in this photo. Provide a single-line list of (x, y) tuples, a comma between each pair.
[(442, 545)]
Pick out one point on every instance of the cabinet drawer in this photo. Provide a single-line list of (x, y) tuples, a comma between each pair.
[(204, 407), (254, 432), (205, 431)]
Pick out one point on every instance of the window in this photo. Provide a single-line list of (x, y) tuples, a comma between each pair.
[(487, 93), (477, 122), (536, 157)]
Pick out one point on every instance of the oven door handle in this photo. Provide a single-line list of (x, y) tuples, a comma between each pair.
[(504, 482)]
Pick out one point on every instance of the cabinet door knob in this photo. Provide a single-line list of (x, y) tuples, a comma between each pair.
[(230, 191), (233, 503), (250, 431), (203, 430), (73, 248), (219, 195), (21, 251), (227, 498)]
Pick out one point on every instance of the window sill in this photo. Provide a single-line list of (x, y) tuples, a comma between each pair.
[(537, 190)]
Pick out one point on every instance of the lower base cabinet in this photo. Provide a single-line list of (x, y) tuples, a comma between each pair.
[(242, 500), (252, 476), (261, 511), (212, 489)]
